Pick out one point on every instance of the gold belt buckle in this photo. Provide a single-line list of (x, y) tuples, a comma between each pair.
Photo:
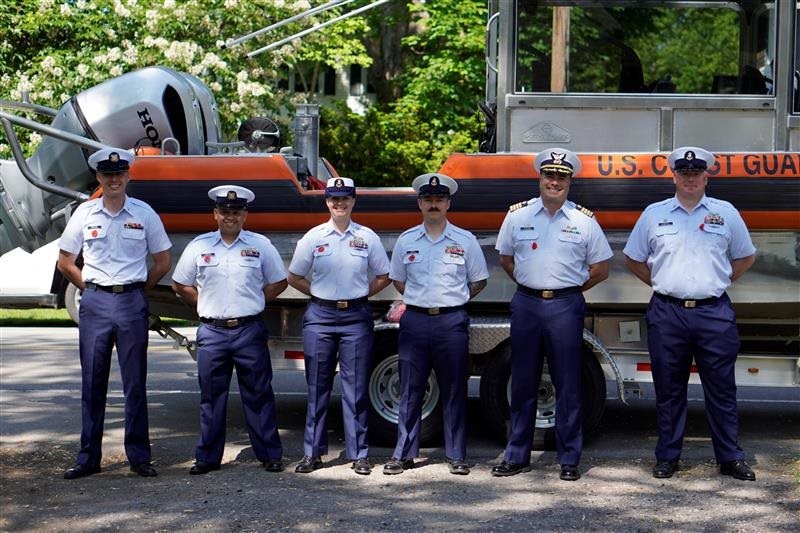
[(118, 288), (548, 294), (433, 311), (690, 304), (232, 322), (341, 304)]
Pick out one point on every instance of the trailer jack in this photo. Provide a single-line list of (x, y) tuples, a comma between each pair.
[(154, 323)]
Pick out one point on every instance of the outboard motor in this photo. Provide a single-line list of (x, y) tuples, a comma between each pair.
[(141, 108)]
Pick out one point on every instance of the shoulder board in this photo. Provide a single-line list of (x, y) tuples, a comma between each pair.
[(584, 210), (516, 206)]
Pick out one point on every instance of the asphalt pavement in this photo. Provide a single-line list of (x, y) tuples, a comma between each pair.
[(40, 427)]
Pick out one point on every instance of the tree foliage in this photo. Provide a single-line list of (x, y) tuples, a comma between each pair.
[(53, 50), (435, 113), (426, 61)]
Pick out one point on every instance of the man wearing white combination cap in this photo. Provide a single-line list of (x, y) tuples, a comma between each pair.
[(339, 264), (437, 267), (690, 248), (230, 275), (115, 233), (554, 250)]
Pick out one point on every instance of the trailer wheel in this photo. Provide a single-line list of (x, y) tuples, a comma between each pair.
[(495, 394), (384, 403), (72, 301)]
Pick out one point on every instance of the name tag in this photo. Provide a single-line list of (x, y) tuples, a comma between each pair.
[(569, 234)]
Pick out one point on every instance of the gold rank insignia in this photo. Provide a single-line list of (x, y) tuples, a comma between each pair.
[(516, 206), (584, 210)]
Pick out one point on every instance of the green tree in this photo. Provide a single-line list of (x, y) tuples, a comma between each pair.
[(54, 50), (426, 58), (435, 113)]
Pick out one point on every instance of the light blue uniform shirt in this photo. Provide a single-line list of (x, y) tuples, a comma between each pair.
[(552, 252), (115, 247), (437, 273), (230, 278), (341, 264), (689, 255)]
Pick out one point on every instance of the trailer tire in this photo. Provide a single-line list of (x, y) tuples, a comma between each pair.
[(72, 302), (384, 402), (495, 393)]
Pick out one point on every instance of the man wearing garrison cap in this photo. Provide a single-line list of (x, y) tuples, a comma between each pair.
[(438, 268), (229, 275), (115, 233), (690, 248), (554, 250)]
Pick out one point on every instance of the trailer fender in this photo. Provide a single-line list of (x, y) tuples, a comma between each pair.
[(597, 346)]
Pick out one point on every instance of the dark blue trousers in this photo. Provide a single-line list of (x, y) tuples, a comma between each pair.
[(553, 327), (440, 343), (709, 334), (219, 351), (347, 332), (108, 319)]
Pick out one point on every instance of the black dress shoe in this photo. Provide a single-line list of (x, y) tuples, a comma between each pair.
[(458, 467), (273, 466), (362, 466), (737, 469), (397, 466), (507, 468), (80, 470), (665, 469), (202, 467), (308, 464), (144, 470), (570, 473)]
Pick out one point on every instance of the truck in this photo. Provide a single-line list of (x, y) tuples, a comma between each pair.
[(537, 95)]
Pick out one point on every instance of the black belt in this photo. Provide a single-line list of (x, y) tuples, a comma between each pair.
[(548, 294), (339, 304), (686, 303), (115, 288), (433, 311), (230, 323)]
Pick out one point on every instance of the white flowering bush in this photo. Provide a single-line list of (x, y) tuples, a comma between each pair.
[(53, 49)]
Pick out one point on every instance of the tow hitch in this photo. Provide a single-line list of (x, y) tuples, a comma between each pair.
[(181, 341)]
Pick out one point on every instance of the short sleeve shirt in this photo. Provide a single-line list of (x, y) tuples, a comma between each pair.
[(341, 264), (230, 278), (115, 246), (690, 254), (552, 252), (437, 273)]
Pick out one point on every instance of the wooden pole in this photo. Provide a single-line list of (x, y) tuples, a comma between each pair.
[(559, 64)]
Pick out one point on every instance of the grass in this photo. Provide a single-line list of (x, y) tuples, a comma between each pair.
[(55, 318), (35, 317)]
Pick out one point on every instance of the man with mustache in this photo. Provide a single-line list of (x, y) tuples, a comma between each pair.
[(690, 248), (554, 250), (438, 268)]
